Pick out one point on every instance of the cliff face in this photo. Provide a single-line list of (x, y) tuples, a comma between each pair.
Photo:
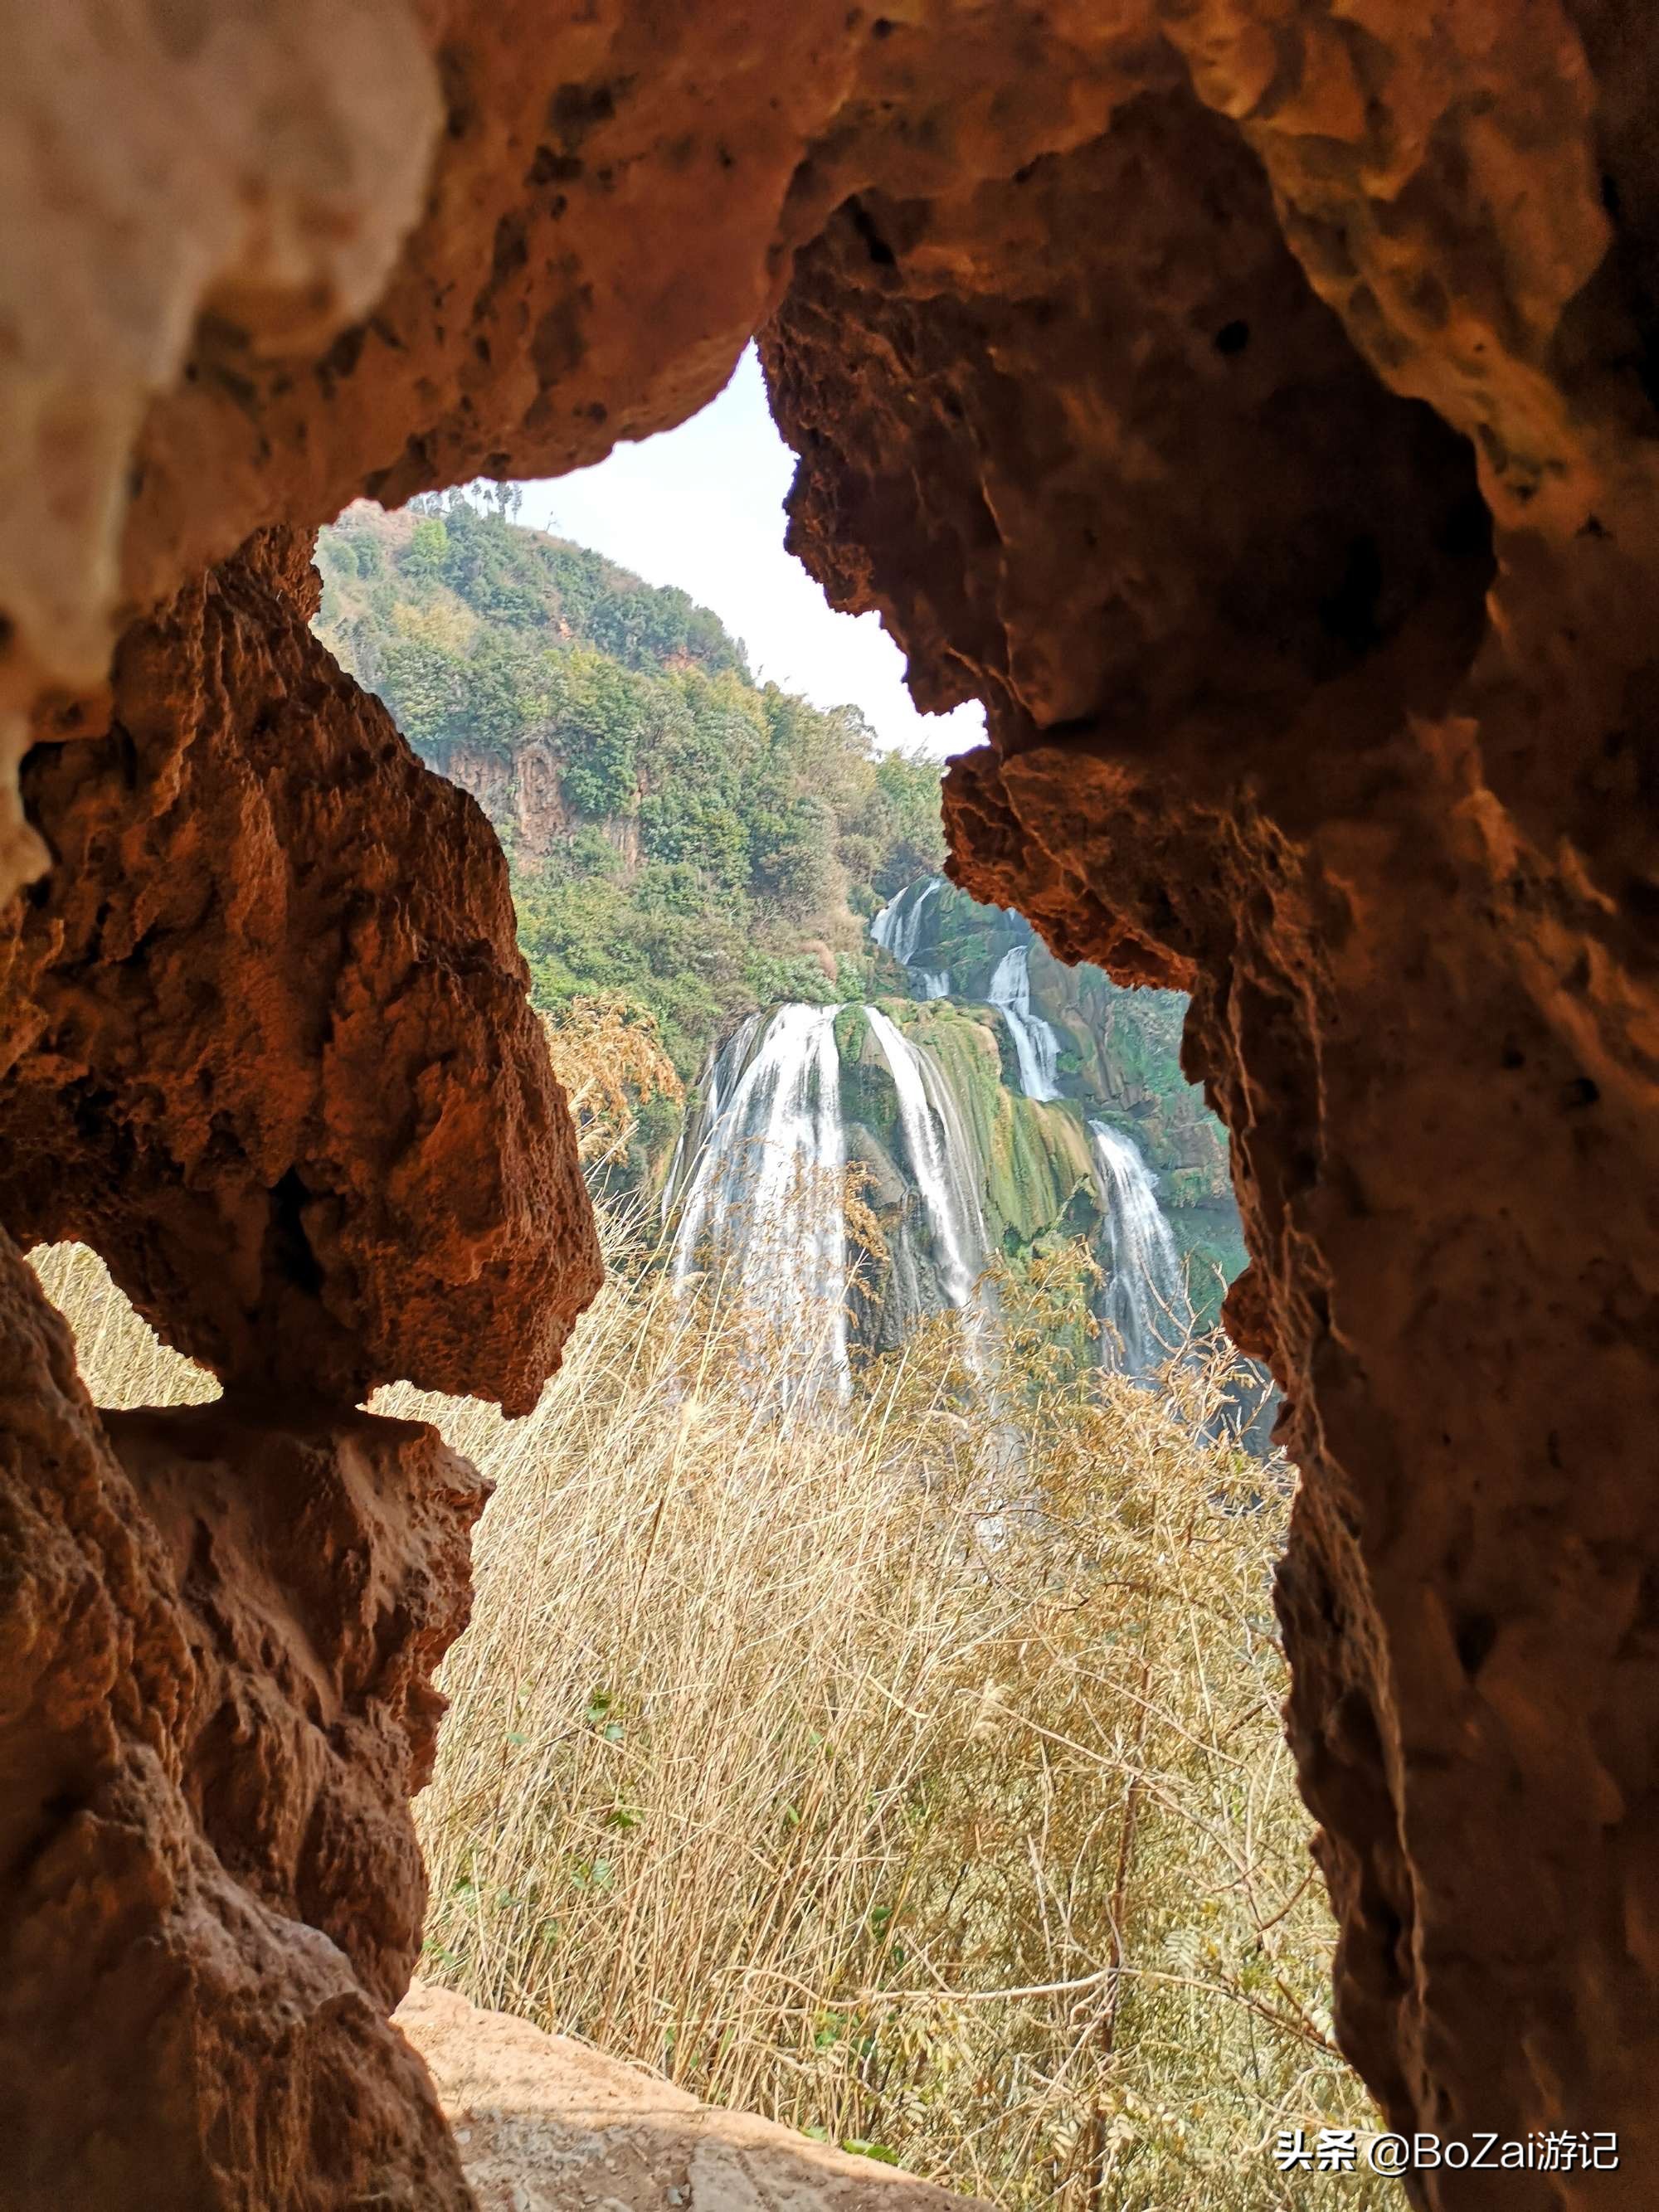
[(520, 791), (1253, 401)]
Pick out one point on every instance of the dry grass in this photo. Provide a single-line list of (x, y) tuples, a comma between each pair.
[(781, 1761)]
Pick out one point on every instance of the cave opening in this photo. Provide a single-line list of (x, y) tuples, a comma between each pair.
[(1258, 420)]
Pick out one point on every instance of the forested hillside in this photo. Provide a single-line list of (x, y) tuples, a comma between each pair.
[(700, 842)]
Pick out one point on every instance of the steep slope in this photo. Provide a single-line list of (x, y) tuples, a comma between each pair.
[(677, 832)]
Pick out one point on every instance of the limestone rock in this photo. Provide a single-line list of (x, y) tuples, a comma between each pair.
[(269, 1049), (547, 2125), (1332, 712), (521, 788), (217, 328), (1254, 402), (217, 1630), (170, 173)]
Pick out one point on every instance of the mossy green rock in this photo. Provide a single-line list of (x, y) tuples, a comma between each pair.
[(1119, 1062)]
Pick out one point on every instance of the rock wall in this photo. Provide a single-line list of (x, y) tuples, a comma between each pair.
[(267, 1046), (266, 1043), (216, 1641), (1283, 713), (1254, 400), (519, 789)]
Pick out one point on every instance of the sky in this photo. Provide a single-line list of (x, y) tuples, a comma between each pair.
[(702, 507)]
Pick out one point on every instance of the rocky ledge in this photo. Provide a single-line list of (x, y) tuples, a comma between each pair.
[(546, 2124)]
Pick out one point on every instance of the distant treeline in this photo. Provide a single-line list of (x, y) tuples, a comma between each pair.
[(713, 843)]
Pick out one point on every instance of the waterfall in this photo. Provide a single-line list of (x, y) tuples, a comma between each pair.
[(1035, 1046), (942, 1165), (768, 1191), (1147, 1313), (898, 928), (762, 1188), (760, 1185)]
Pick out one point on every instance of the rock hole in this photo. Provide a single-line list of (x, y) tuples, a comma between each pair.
[(289, 1246), (1476, 1634), (1348, 615), (881, 253)]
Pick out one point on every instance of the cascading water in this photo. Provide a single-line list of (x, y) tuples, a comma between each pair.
[(1147, 1312), (942, 1167), (757, 1192), (721, 1073), (1035, 1046), (898, 928), (766, 1199), (762, 1191)]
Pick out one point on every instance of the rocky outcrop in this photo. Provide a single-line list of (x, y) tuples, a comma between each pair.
[(1283, 713), (1254, 400), (267, 1045), (547, 2125), (218, 1626), (518, 790), (608, 214), (267, 1042)]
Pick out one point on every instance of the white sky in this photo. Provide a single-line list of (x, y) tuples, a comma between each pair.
[(702, 507)]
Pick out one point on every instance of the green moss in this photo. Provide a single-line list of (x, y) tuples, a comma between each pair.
[(1034, 1157), (852, 1034)]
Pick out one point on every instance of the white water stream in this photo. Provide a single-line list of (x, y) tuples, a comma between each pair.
[(942, 1166), (898, 928), (763, 1196), (1035, 1046), (767, 1198), (1147, 1313)]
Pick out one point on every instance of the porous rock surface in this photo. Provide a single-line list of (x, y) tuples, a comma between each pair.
[(218, 1626), (1297, 519), (547, 2125), (266, 1041), (1254, 402)]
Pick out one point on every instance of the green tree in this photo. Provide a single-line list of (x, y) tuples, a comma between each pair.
[(719, 834), (427, 548)]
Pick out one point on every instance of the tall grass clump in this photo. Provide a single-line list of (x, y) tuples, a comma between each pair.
[(860, 1768)]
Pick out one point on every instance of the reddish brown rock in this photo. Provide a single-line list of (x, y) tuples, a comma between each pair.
[(226, 268), (271, 1050), (1254, 400), (217, 1632), (1280, 716)]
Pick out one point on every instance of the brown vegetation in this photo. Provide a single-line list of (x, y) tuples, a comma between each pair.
[(906, 1777)]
